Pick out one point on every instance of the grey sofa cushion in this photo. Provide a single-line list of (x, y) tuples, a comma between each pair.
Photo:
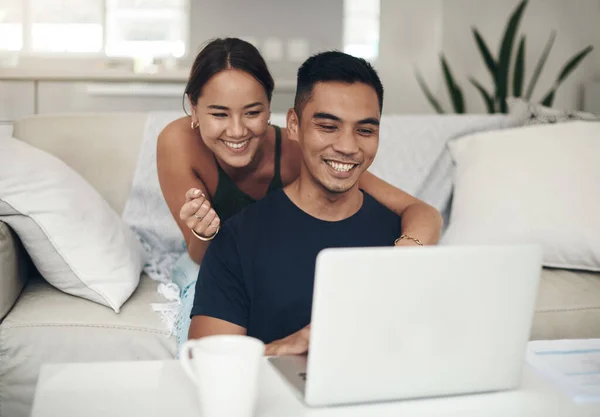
[(13, 269), (48, 326)]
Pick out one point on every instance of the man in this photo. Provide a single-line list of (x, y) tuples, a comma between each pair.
[(257, 275)]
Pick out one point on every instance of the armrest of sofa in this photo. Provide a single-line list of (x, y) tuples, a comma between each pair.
[(14, 269)]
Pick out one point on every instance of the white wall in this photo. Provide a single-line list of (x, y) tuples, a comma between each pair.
[(410, 36), (318, 22), (6, 129), (413, 33)]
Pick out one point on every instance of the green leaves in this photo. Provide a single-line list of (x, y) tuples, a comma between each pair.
[(487, 97), (505, 54), (500, 70), (428, 94), (572, 64), (519, 74), (489, 60), (564, 73), (540, 65), (456, 95)]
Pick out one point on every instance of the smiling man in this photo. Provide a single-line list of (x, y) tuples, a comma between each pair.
[(254, 278)]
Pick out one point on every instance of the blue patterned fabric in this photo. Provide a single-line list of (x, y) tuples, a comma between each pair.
[(184, 274)]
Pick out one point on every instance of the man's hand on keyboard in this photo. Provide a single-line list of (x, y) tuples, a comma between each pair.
[(294, 344)]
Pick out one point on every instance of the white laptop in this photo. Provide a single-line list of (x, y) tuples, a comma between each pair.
[(400, 323)]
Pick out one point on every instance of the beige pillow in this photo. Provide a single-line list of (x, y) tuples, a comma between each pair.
[(76, 240), (534, 184)]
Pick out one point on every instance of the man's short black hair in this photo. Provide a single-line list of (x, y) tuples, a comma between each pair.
[(334, 66)]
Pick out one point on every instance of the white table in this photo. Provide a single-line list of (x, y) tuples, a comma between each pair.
[(160, 388)]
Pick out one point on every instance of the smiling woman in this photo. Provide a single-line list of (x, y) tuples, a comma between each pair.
[(225, 151), (233, 111)]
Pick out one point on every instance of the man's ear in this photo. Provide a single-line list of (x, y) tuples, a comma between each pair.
[(293, 125)]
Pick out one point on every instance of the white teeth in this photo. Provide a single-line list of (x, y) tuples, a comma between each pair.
[(236, 145), (340, 167)]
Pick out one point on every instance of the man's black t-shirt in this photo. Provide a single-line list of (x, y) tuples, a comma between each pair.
[(258, 272)]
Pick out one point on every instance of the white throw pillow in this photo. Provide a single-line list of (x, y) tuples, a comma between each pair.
[(535, 184), (76, 240)]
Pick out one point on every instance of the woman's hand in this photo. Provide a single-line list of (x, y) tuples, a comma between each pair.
[(198, 215)]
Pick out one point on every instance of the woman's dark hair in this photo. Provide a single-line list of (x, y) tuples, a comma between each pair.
[(227, 53)]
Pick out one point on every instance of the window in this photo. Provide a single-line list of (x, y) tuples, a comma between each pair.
[(65, 25), (149, 28), (361, 28), (146, 27), (11, 26)]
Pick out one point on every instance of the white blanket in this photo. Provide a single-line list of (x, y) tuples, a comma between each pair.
[(412, 156), (146, 211)]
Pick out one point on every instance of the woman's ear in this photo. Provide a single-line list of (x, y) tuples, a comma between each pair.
[(293, 125), (195, 123)]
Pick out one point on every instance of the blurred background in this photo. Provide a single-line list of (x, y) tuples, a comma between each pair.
[(107, 55)]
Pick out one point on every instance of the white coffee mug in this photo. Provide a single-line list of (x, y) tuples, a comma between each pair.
[(225, 370)]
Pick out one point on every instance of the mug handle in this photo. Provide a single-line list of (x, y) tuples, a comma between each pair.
[(184, 360)]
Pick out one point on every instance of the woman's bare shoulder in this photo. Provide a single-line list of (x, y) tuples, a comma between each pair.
[(179, 144), (183, 159), (177, 131), (180, 140)]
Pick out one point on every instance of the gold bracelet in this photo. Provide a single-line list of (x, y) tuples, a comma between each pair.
[(206, 239), (414, 239)]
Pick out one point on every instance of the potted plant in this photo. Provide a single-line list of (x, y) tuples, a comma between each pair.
[(500, 67)]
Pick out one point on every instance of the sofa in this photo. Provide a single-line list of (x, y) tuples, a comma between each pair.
[(40, 324), (44, 325)]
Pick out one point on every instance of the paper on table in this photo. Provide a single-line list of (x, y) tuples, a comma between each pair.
[(574, 365)]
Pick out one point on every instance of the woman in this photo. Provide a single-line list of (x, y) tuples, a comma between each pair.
[(226, 155)]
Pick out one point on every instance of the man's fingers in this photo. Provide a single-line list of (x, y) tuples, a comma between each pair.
[(297, 349), (271, 349), (277, 348), (268, 350), (284, 349)]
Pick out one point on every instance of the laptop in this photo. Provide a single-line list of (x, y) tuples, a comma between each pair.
[(404, 323)]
